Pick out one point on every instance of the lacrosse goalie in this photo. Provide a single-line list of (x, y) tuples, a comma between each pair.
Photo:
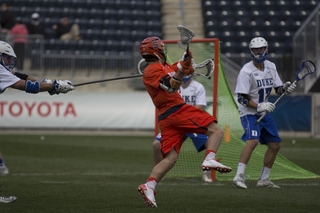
[(254, 83)]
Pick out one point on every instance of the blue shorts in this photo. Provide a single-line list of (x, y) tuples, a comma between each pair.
[(265, 131), (198, 140)]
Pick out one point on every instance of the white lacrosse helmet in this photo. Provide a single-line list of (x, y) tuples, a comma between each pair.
[(259, 42), (7, 51)]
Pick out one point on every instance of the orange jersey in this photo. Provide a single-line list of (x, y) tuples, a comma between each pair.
[(162, 99)]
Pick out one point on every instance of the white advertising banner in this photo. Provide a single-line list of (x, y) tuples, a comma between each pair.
[(77, 110)]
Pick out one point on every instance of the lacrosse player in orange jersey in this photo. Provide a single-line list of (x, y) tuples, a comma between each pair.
[(176, 118)]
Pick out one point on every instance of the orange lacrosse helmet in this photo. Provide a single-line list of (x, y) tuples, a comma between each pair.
[(153, 46)]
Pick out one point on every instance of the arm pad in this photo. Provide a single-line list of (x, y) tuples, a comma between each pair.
[(170, 84), (243, 99), (32, 87)]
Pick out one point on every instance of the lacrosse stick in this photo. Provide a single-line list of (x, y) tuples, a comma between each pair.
[(307, 67), (204, 69), (186, 36), (108, 79)]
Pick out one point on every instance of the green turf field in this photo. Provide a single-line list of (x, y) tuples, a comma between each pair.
[(101, 174)]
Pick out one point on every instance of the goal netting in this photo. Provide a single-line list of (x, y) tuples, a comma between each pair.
[(221, 103)]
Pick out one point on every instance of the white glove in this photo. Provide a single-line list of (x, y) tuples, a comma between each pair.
[(61, 86), (47, 80), (289, 87), (265, 106)]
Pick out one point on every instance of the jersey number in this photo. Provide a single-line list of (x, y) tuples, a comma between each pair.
[(262, 93)]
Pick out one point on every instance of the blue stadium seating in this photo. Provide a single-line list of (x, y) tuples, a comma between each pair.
[(118, 23), (235, 22)]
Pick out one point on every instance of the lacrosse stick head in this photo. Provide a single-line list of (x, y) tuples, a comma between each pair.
[(204, 69), (142, 65), (307, 67), (186, 36)]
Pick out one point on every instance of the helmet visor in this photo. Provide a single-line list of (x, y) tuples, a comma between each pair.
[(9, 61)]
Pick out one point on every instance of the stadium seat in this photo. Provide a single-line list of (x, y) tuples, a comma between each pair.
[(124, 24), (123, 34), (55, 12), (96, 13), (108, 34), (138, 35), (93, 4), (76, 3), (112, 45), (137, 5), (92, 33), (110, 13), (123, 14), (69, 12), (82, 12)]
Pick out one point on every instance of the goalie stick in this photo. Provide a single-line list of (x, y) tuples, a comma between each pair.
[(307, 67), (204, 69), (107, 79)]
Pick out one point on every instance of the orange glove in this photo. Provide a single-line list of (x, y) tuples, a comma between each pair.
[(189, 71), (186, 63)]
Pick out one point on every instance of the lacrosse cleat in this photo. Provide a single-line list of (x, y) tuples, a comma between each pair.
[(4, 199), (215, 165), (206, 177), (238, 180), (267, 183), (4, 170), (148, 195)]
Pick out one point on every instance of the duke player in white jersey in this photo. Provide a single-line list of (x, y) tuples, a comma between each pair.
[(193, 94), (20, 81), (254, 83)]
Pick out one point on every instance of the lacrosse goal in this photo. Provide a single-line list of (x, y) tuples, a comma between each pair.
[(220, 102)]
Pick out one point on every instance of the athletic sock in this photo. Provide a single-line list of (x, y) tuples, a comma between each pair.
[(210, 155), (1, 163), (265, 173), (152, 183), (241, 168)]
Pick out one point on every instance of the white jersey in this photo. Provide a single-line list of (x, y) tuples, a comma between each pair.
[(194, 94), (6, 78), (256, 84)]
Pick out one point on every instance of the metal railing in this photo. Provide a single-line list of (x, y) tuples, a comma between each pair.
[(40, 61), (306, 43)]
